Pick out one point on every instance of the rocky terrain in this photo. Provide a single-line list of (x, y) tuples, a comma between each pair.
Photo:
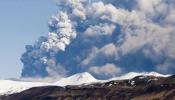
[(137, 88)]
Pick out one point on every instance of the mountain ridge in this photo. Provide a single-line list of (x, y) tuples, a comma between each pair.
[(10, 87), (137, 88)]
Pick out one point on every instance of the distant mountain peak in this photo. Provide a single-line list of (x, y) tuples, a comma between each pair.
[(83, 75), (77, 79)]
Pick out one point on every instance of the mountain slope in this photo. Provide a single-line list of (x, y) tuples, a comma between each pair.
[(144, 88), (9, 86)]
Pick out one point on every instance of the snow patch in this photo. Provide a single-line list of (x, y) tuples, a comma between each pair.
[(131, 75), (10, 87)]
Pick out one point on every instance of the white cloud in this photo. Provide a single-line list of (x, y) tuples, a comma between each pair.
[(167, 66), (148, 6), (90, 57), (55, 70), (63, 33), (107, 69), (107, 51), (100, 30), (170, 18)]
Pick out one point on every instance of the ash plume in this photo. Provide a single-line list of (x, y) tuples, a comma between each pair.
[(105, 36)]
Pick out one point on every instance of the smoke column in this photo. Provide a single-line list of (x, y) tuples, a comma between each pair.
[(105, 38)]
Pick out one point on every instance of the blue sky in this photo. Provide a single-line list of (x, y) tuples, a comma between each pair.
[(21, 23)]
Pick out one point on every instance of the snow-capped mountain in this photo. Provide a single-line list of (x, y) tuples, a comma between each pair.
[(9, 86), (131, 75), (77, 79)]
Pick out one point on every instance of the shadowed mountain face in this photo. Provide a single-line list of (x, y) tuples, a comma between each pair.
[(138, 88)]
